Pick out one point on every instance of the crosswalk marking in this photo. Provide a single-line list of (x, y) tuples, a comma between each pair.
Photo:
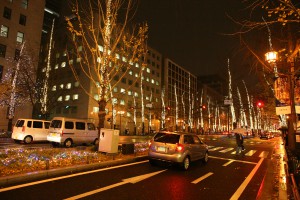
[(264, 154), (250, 153), (216, 148), (226, 150)]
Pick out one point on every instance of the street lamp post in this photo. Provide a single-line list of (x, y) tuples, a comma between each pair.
[(272, 57)]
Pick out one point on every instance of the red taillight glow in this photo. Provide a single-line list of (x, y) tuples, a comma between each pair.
[(179, 147), (149, 144), (23, 128)]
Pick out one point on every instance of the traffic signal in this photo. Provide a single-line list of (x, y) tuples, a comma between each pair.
[(203, 106), (260, 104)]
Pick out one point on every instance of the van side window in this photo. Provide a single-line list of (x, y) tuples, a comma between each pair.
[(37, 124), (29, 124), (91, 126), (80, 125), (46, 124), (69, 125)]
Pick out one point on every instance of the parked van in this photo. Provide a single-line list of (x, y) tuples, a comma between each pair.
[(28, 130), (67, 132)]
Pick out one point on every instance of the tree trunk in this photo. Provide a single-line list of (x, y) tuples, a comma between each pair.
[(101, 114)]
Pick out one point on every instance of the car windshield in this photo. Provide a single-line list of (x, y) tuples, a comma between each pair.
[(20, 123), (167, 138), (55, 124)]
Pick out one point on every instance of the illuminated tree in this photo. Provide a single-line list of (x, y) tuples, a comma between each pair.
[(105, 45)]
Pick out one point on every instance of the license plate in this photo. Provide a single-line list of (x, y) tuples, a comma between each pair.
[(161, 149), (53, 134)]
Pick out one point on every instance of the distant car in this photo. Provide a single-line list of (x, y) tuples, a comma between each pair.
[(29, 130), (179, 148), (266, 136)]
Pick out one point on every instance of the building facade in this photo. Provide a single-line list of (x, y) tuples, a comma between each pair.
[(21, 21)]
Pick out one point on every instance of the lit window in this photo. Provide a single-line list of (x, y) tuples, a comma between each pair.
[(54, 88), (152, 81), (115, 89), (56, 66), (136, 75), (20, 37), (136, 94), (63, 64), (157, 83), (75, 96), (4, 31), (137, 65), (44, 69), (129, 92), (122, 90), (98, 60), (114, 100), (59, 98), (122, 102), (130, 72), (79, 48), (68, 86), (147, 98), (76, 84), (67, 97), (70, 62), (128, 114), (61, 86), (124, 59), (96, 97), (24, 4), (78, 59), (65, 53), (147, 79), (117, 56), (148, 70)]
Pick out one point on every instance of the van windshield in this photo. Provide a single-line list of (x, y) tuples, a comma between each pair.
[(55, 124), (20, 123)]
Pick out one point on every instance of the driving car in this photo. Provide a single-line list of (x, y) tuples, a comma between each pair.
[(176, 147)]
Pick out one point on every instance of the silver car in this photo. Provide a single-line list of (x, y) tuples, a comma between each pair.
[(175, 147)]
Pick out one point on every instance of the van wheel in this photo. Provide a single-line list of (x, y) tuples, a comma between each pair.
[(28, 139), (96, 142), (68, 143)]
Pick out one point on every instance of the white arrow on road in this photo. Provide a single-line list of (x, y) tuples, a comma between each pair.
[(124, 181)]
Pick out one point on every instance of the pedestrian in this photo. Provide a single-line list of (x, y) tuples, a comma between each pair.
[(239, 142)]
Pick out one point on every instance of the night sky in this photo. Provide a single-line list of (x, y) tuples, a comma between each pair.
[(192, 32)]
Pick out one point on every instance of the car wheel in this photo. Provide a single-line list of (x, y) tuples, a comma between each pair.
[(205, 159), (186, 163), (28, 139), (68, 143)]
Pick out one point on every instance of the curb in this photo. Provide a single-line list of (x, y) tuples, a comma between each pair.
[(43, 174)]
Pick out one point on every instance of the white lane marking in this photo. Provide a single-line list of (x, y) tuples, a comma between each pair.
[(250, 153), (242, 187), (68, 176), (202, 177), (226, 150), (264, 154), (228, 163), (124, 181)]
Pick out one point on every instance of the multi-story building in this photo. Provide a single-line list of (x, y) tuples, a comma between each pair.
[(21, 21), (180, 96)]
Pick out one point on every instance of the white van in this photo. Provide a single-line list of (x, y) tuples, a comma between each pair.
[(68, 131), (28, 130)]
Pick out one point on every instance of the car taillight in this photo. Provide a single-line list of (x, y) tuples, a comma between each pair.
[(179, 147), (23, 128)]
